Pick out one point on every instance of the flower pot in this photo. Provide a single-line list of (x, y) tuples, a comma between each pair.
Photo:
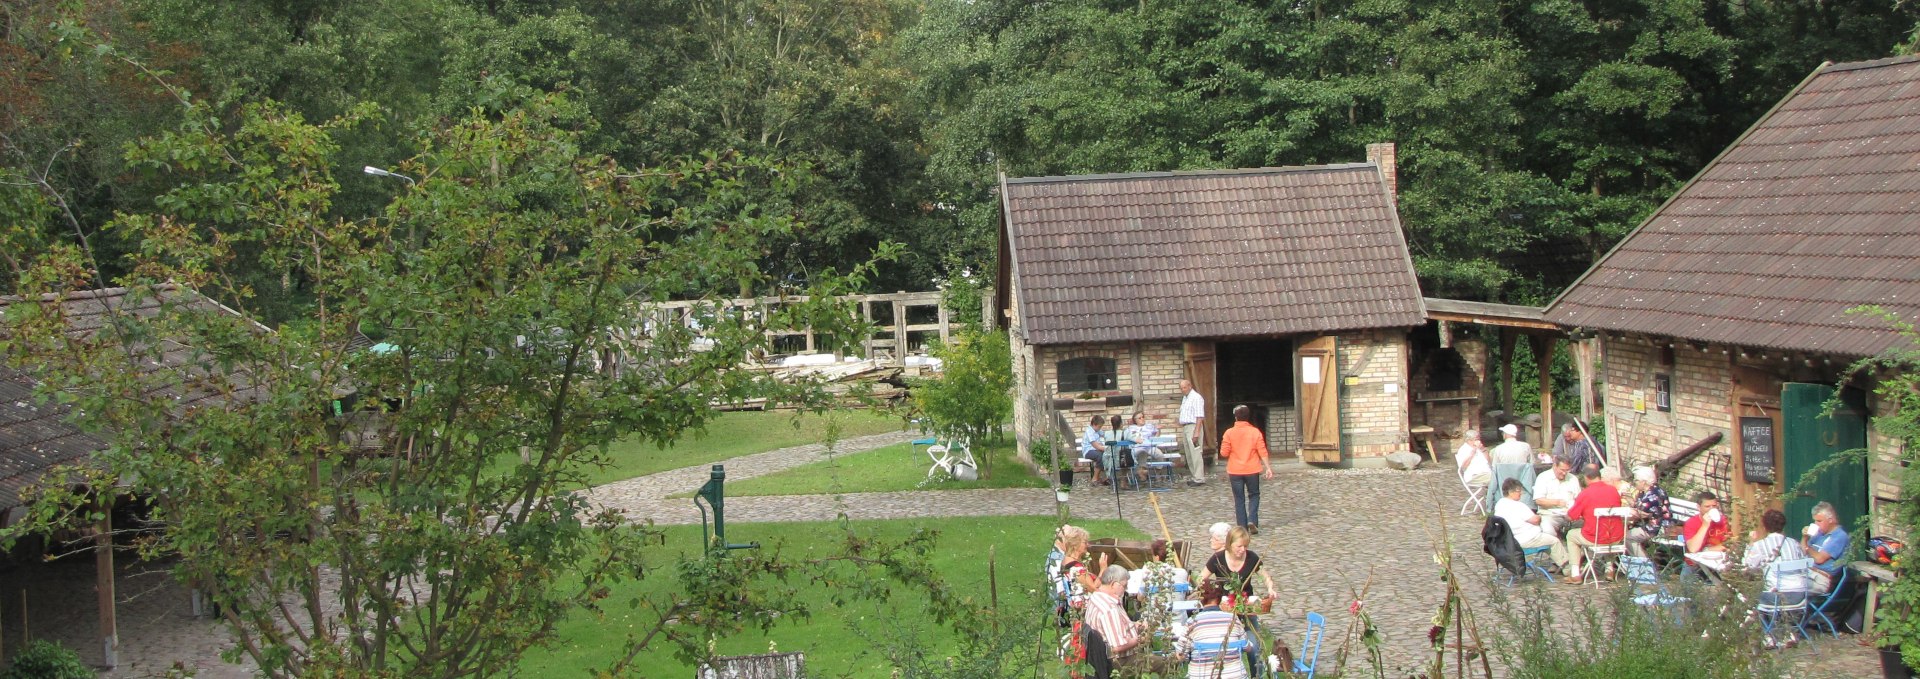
[(1066, 476), (1892, 667)]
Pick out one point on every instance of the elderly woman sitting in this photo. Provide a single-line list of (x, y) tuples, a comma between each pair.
[(1215, 643)]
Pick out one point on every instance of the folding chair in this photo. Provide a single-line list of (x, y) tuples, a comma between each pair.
[(1642, 574), (1786, 592), (943, 460), (1590, 569), (1821, 607), (1532, 564), (1310, 646), (1476, 497)]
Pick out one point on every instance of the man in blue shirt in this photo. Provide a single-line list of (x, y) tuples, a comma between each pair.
[(1826, 542)]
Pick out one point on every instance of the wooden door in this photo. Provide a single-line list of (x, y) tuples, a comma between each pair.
[(1318, 378), (1200, 369), (1756, 394), (1809, 437)]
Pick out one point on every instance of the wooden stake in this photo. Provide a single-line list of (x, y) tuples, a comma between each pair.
[(1154, 499), (103, 571)]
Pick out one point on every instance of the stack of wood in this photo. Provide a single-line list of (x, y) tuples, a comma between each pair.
[(871, 376)]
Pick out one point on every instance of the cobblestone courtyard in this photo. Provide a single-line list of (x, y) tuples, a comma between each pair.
[(1325, 533)]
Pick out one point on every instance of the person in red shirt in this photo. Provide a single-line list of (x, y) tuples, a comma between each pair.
[(1245, 447), (1706, 535), (1602, 492)]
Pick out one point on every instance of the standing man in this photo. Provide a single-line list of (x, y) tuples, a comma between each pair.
[(1193, 420), (1245, 448)]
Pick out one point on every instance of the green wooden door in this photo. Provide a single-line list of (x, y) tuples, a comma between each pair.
[(1810, 437)]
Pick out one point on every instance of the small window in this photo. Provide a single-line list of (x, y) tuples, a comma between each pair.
[(1088, 374), (1663, 392)]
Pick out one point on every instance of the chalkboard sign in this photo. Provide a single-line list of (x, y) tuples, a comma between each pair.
[(1756, 448)]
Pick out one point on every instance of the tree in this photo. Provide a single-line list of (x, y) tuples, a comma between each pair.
[(501, 278), (974, 393)]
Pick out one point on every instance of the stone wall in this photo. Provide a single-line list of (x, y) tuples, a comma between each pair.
[(1373, 407)]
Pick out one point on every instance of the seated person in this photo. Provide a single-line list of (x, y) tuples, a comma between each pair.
[(1706, 537), (1603, 492), (1512, 450), (1093, 447), (1236, 565), (1826, 542), (1471, 461), (1652, 513), (1215, 641), (1770, 545), (1126, 639), (1129, 455), (1553, 493), (1523, 523), (1141, 432)]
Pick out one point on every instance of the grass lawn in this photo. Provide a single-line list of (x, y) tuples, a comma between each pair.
[(730, 435), (832, 649), (897, 467)]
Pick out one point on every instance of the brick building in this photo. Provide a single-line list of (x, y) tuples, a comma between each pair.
[(1286, 289), (1726, 312)]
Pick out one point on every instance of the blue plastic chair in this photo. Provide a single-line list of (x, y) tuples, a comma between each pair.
[(1310, 646), (1817, 614), (1642, 574), (1776, 602)]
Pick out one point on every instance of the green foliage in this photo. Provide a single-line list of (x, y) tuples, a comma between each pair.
[(44, 659), (1897, 375), (497, 278), (1543, 638), (973, 396)]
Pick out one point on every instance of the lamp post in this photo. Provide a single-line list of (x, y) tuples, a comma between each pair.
[(377, 172)]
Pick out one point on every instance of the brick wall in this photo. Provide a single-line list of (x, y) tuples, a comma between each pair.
[(1373, 410), (1283, 430), (1883, 471), (1700, 397)]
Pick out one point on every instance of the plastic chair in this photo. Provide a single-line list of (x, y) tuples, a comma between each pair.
[(1782, 576), (1641, 574), (1590, 569), (1476, 497), (1310, 646), (1160, 476), (942, 458), (1532, 564), (1818, 612)]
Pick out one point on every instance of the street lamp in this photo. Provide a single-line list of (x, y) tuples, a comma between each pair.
[(377, 172)]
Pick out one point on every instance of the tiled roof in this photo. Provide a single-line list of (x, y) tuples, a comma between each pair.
[(1816, 209), (1232, 253), (36, 437)]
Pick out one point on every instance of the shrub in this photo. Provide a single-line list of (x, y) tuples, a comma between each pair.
[(974, 393), (47, 660), (1709, 636)]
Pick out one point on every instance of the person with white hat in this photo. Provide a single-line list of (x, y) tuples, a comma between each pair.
[(1512, 450)]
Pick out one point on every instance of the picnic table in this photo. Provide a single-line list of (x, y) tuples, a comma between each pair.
[(1876, 575)]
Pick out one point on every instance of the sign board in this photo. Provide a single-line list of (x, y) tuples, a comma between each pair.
[(1756, 449)]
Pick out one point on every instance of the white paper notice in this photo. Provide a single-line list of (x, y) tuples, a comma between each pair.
[(1309, 369)]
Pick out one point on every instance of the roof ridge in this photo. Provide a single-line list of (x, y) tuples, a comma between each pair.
[(1223, 172), (1876, 63)]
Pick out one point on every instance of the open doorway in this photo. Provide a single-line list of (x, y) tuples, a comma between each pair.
[(1259, 375)]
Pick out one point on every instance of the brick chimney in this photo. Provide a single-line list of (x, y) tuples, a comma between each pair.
[(1382, 155)]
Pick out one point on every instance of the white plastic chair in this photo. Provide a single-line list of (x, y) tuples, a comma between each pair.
[(1476, 496), (950, 457), (1590, 569)]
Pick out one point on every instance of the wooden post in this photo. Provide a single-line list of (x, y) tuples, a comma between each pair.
[(1507, 338), (866, 313), (1583, 361), (1139, 389), (1543, 357), (103, 571), (946, 323), (899, 333)]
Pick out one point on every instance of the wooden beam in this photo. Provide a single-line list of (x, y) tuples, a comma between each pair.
[(1507, 339), (1583, 364), (1485, 320), (1543, 358), (103, 574), (899, 334)]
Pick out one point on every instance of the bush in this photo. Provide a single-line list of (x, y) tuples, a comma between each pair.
[(1708, 636), (47, 660), (974, 393)]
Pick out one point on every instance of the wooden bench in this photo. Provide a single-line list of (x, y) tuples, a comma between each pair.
[(1681, 511)]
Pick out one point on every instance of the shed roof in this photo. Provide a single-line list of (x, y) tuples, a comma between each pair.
[(1812, 211), (1226, 253), (36, 437)]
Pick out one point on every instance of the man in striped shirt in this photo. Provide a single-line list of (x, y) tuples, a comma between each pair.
[(1125, 640)]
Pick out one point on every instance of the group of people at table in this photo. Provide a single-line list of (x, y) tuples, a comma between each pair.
[(1208, 632), (1570, 494), (1108, 444)]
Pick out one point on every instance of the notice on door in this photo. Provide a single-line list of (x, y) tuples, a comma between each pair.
[(1309, 369), (1756, 449)]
